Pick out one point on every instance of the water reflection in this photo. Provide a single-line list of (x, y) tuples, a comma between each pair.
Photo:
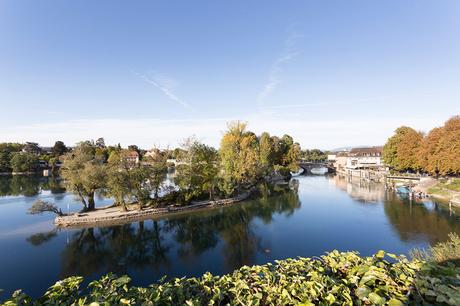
[(154, 243), (417, 219), (40, 238), (25, 185), (115, 248), (359, 189), (412, 219), (311, 216)]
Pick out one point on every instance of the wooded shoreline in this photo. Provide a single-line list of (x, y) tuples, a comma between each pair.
[(112, 215)]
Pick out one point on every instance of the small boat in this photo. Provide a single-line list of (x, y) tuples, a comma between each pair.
[(402, 190)]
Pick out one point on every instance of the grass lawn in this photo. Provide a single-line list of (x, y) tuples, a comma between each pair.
[(450, 184)]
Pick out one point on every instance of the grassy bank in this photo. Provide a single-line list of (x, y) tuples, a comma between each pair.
[(335, 278), (446, 189)]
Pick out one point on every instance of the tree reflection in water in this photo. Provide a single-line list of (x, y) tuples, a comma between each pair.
[(415, 218), (412, 219), (151, 243), (222, 239), (27, 185), (115, 249), (40, 238)]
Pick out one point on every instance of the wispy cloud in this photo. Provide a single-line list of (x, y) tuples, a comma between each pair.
[(274, 76), (165, 85)]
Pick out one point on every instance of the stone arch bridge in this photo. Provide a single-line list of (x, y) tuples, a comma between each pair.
[(308, 166)]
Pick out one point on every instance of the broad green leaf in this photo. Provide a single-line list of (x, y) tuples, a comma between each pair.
[(395, 302), (376, 299)]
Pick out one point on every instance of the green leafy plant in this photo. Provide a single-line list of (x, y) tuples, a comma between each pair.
[(332, 279)]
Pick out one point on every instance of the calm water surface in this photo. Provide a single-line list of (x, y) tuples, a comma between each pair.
[(316, 215)]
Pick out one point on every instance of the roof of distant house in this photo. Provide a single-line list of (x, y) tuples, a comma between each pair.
[(365, 151), (47, 149), (133, 154)]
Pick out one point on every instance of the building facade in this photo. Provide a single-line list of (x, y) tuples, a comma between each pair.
[(368, 158)]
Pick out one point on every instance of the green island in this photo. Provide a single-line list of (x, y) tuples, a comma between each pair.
[(203, 176), (336, 278)]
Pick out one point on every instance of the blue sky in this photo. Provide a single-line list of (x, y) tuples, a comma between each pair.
[(329, 73)]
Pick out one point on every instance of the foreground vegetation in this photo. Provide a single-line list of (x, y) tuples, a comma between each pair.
[(335, 278)]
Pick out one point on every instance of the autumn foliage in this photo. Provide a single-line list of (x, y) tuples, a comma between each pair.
[(437, 153)]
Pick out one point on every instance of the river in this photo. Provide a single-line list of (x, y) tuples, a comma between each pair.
[(317, 214)]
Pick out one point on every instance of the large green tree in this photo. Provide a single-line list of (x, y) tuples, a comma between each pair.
[(119, 183), (157, 170), (143, 183), (6, 153), (24, 162), (59, 148), (314, 155), (197, 170), (83, 173), (266, 153), (291, 155)]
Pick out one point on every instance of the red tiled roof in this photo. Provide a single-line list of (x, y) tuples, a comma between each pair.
[(133, 154)]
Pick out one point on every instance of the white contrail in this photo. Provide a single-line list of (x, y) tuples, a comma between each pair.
[(274, 78), (165, 89)]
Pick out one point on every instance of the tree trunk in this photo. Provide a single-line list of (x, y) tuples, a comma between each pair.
[(123, 206), (82, 199), (211, 195), (91, 204)]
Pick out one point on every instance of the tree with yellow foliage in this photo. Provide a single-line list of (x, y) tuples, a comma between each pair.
[(239, 151)]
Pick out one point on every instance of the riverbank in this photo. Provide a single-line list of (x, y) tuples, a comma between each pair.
[(441, 189), (113, 215)]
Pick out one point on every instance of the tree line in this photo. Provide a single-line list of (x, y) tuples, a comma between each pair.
[(20, 158), (436, 153), (243, 160)]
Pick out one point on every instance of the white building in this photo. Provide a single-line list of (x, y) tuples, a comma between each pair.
[(365, 158), (359, 158), (331, 157)]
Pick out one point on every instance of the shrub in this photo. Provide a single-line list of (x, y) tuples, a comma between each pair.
[(443, 252), (335, 278), (41, 206), (283, 171)]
